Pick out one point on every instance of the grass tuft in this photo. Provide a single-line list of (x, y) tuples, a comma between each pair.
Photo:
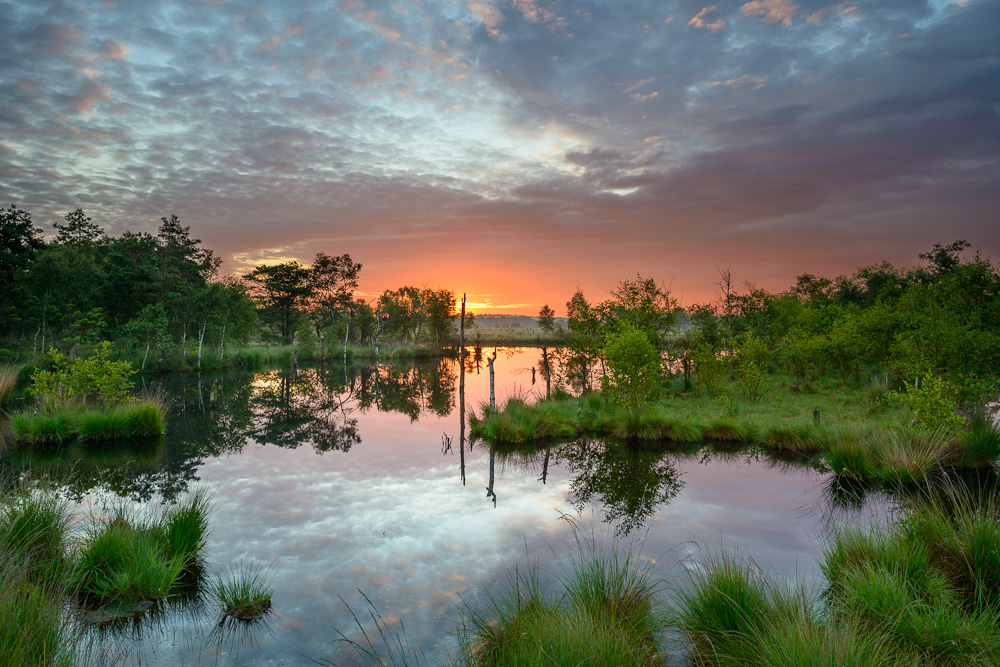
[(245, 594), (907, 456), (605, 616), (8, 381)]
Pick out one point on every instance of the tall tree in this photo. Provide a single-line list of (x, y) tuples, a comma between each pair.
[(281, 292), (332, 281), (546, 319), (20, 240), (79, 230)]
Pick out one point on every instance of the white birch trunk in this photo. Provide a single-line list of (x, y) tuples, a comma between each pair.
[(201, 339)]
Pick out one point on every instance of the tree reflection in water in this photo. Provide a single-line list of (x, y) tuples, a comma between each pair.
[(630, 484), (220, 413)]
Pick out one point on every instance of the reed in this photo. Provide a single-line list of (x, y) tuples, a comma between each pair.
[(981, 443), (44, 428), (34, 524), (927, 585), (34, 630), (849, 458), (56, 424), (802, 639)]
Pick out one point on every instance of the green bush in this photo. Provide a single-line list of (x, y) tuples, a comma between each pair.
[(632, 367), (933, 404), (94, 379)]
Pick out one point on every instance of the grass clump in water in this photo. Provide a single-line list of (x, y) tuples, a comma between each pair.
[(927, 586), (129, 559), (848, 457), (724, 608), (34, 524), (605, 616), (245, 594)]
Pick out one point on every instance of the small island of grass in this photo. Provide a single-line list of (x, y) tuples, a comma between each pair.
[(86, 398)]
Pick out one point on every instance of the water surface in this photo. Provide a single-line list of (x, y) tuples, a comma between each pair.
[(352, 486)]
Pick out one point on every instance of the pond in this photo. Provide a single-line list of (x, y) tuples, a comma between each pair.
[(357, 490)]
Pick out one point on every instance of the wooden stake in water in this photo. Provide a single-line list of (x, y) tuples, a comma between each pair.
[(461, 392), (493, 399)]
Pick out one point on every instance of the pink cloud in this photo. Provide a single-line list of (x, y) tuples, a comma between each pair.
[(772, 11), (699, 20)]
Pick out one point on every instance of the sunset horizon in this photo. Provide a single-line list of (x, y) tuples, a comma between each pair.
[(515, 151)]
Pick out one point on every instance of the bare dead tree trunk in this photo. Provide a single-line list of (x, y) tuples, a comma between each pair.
[(493, 399), (378, 329), (548, 377), (461, 389)]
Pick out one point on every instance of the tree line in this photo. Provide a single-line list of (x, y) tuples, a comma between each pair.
[(936, 322), (160, 299)]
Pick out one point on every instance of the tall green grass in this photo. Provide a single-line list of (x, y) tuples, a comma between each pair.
[(131, 558), (34, 524), (725, 609), (34, 630), (605, 615), (928, 586), (56, 424)]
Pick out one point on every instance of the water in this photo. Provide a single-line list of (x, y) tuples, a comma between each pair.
[(342, 484)]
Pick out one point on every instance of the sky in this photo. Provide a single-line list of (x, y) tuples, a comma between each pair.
[(516, 150)]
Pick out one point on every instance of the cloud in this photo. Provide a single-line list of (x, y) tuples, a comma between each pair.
[(114, 50), (488, 14), (751, 82), (772, 11), (396, 133), (698, 21), (89, 95)]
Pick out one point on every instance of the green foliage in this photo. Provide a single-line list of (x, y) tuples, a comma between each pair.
[(546, 319), (20, 242), (94, 379), (632, 367), (281, 291), (415, 315), (803, 355), (932, 404), (752, 361), (710, 367)]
